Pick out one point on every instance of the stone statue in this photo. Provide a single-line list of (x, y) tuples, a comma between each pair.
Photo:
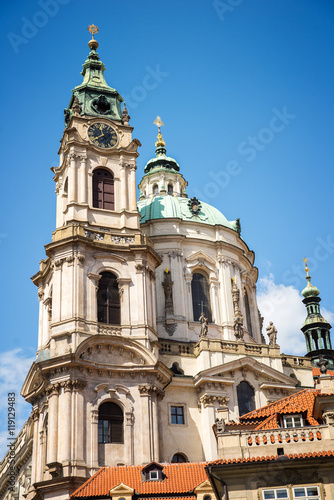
[(238, 318), (322, 363), (168, 288), (204, 326), (238, 327), (170, 325), (272, 334)]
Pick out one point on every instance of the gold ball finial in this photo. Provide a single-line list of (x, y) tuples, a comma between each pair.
[(306, 267), (159, 123), (92, 44)]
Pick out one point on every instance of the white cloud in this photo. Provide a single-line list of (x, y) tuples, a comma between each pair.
[(14, 366), (283, 306)]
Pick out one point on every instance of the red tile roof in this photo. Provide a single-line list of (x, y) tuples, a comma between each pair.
[(301, 402), (316, 372), (291, 456), (180, 478)]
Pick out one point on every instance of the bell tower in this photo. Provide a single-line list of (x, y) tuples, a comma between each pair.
[(316, 329), (96, 381)]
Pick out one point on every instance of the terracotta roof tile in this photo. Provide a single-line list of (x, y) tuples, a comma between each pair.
[(300, 402), (315, 454), (316, 372), (180, 478)]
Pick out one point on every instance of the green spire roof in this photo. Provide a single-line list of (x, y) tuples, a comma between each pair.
[(310, 290), (161, 161), (94, 96)]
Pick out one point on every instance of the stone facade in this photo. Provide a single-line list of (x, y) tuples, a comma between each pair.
[(170, 383)]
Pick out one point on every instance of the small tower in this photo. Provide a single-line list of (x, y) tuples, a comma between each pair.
[(162, 172), (315, 328)]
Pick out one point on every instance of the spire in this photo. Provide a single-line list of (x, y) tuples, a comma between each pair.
[(315, 328), (161, 161), (95, 96)]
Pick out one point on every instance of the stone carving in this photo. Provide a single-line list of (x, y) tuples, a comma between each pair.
[(94, 236), (238, 318), (220, 425), (194, 206), (121, 240), (204, 325), (322, 363), (207, 400), (76, 108), (223, 400), (168, 289), (52, 389), (169, 306), (272, 334), (125, 116)]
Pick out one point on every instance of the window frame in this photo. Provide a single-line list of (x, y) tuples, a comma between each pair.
[(291, 492), (110, 309), (184, 414), (108, 181), (110, 423), (293, 416), (207, 306)]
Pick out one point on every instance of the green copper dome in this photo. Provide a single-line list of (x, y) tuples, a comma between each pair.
[(166, 207), (310, 290)]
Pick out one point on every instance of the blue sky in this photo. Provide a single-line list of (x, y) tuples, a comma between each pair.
[(246, 92)]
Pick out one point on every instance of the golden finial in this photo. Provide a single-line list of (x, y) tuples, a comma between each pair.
[(93, 30), (166, 270), (92, 44), (159, 123), (306, 268)]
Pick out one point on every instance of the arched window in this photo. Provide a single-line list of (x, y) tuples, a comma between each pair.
[(155, 189), (103, 189), (246, 398), (108, 301), (170, 189), (201, 296), (248, 314), (66, 186), (110, 423), (179, 458)]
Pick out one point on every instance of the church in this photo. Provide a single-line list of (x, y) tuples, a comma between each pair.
[(150, 342)]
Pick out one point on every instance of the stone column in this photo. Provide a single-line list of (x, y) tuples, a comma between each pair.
[(156, 396), (92, 289), (208, 419), (190, 313), (83, 180), (53, 395), (123, 288), (133, 193), (79, 419), (213, 298), (129, 437), (35, 449), (94, 441), (123, 187), (141, 292), (72, 179), (146, 423), (40, 318), (65, 418)]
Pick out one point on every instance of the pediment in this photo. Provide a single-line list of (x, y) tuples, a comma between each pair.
[(198, 256), (33, 383), (203, 487), (121, 489), (114, 351), (225, 374)]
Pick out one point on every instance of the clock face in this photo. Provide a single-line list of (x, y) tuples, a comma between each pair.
[(102, 135)]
